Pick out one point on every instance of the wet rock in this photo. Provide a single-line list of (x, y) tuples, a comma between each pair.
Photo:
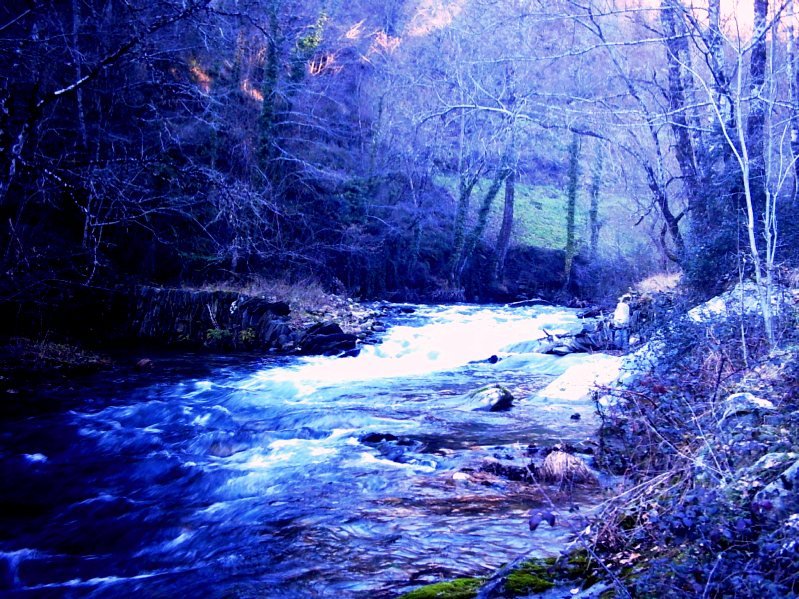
[(323, 328), (560, 467), (515, 472), (494, 398), (144, 364), (529, 302), (226, 449), (326, 338), (541, 516), (257, 307), (371, 438), (493, 359), (594, 336), (592, 312)]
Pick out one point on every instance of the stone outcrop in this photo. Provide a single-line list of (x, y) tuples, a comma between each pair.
[(741, 410), (779, 498), (189, 318), (216, 319)]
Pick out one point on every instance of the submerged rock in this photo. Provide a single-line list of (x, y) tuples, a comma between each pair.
[(540, 516), (494, 398)]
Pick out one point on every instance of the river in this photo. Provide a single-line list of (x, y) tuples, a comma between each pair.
[(249, 476)]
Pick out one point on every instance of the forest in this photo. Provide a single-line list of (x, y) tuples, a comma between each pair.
[(336, 267), (410, 150)]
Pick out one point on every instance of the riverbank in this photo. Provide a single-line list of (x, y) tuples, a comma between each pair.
[(91, 329), (703, 439)]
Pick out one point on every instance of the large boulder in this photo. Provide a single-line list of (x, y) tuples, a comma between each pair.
[(493, 398), (327, 339), (562, 467), (221, 320)]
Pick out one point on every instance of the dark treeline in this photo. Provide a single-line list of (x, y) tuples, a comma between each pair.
[(381, 147)]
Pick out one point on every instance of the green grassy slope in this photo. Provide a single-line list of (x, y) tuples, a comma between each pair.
[(540, 217)]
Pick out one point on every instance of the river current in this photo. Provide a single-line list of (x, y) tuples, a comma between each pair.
[(293, 477)]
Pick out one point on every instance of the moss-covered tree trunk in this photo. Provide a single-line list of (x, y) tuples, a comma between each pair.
[(571, 206), (476, 234), (503, 239), (593, 212)]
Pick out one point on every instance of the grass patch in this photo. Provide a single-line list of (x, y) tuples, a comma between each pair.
[(540, 217)]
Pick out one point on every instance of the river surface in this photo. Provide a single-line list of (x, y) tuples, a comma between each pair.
[(250, 476)]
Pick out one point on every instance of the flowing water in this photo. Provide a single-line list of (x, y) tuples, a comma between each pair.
[(248, 476)]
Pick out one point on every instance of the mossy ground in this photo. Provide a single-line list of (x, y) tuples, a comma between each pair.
[(538, 575), (532, 577), (460, 588)]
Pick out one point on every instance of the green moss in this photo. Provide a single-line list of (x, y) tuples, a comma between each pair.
[(460, 588), (538, 575), (533, 576)]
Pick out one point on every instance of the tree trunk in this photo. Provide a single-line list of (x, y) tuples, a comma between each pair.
[(593, 213), (512, 152), (676, 54), (268, 117), (476, 234), (571, 206), (503, 239), (672, 222), (757, 111), (715, 46), (793, 85), (467, 179)]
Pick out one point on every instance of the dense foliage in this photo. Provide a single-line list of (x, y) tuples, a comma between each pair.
[(395, 150)]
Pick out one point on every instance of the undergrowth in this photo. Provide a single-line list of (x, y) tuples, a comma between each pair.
[(694, 444)]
